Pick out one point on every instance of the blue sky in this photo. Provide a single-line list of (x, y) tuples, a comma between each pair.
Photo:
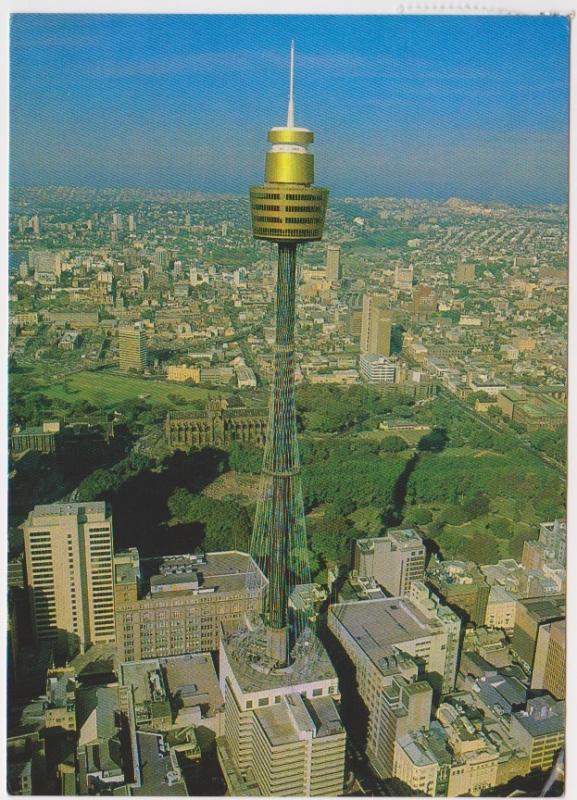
[(475, 106)]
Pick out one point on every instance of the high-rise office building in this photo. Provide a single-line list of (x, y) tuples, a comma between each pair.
[(132, 348), (333, 262), (68, 549), (283, 732), (419, 625), (131, 224), (160, 259), (549, 662), (35, 223), (376, 325), (395, 561)]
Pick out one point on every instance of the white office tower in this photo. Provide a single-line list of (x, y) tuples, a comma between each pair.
[(68, 550), (283, 733), (377, 369)]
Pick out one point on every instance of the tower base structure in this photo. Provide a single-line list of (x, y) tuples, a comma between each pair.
[(283, 733)]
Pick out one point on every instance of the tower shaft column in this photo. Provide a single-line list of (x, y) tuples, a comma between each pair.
[(281, 460)]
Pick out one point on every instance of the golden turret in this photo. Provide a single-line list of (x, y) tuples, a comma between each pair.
[(287, 207)]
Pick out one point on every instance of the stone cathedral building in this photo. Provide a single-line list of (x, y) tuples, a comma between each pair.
[(217, 426)]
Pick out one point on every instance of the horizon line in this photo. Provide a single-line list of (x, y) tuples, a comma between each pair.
[(216, 193)]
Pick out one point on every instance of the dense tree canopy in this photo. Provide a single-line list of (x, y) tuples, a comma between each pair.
[(226, 523)]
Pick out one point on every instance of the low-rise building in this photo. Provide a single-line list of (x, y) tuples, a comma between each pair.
[(395, 560), (182, 373), (377, 369), (462, 586), (60, 708), (540, 730)]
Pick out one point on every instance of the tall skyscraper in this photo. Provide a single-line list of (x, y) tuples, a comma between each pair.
[(282, 727), (333, 262), (132, 348), (376, 326), (68, 550)]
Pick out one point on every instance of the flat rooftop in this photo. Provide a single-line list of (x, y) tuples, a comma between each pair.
[(146, 679), (193, 680), (217, 572), (378, 625), (68, 509), (294, 716), (158, 776), (546, 609)]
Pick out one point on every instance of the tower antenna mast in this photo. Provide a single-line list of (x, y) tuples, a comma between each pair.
[(290, 120)]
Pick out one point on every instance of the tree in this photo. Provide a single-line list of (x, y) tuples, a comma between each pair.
[(482, 549), (245, 458), (393, 444), (454, 515), (476, 506), (226, 524), (331, 538), (433, 442), (417, 516), (501, 528)]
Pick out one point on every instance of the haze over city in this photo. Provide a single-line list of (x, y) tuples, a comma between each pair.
[(468, 106)]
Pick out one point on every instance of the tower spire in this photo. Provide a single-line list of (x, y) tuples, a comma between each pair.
[(290, 120)]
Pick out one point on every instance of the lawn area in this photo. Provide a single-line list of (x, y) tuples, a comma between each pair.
[(411, 437), (244, 488), (106, 389)]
